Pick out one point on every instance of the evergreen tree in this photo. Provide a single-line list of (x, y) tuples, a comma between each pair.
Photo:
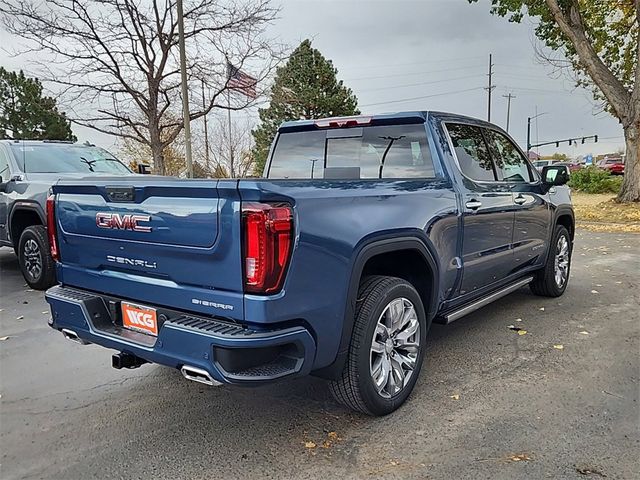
[(305, 87), (26, 113)]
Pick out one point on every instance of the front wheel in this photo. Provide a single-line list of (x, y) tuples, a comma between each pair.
[(38, 268), (387, 346), (552, 280)]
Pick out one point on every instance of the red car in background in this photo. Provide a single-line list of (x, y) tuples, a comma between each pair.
[(614, 165)]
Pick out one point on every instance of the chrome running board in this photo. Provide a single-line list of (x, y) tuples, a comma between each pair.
[(461, 312)]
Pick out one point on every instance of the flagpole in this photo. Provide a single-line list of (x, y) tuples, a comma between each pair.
[(206, 130), (231, 169)]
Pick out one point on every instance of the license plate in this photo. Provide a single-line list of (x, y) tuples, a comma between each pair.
[(139, 318)]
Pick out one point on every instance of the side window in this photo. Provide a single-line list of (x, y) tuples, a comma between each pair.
[(472, 152), (511, 165), (4, 166)]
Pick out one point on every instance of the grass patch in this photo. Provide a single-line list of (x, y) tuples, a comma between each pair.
[(601, 213)]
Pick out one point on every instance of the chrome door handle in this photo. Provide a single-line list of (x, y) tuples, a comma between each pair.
[(473, 204), (519, 200)]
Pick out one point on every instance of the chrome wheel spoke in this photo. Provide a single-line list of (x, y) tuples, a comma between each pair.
[(382, 373), (397, 376), (377, 347), (403, 336), (408, 347)]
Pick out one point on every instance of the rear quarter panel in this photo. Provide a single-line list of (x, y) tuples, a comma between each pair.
[(334, 221)]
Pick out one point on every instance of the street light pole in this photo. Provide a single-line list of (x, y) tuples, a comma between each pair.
[(529, 129), (185, 92)]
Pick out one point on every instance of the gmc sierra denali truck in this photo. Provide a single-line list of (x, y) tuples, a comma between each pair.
[(363, 231)]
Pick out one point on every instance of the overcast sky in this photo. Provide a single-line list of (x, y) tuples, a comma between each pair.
[(433, 55)]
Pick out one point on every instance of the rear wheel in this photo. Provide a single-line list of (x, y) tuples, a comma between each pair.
[(386, 350), (35, 260), (552, 280)]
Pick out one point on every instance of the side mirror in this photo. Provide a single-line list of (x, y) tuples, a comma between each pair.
[(554, 175), (144, 169)]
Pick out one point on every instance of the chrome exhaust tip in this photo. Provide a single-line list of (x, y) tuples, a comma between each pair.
[(198, 375), (73, 336)]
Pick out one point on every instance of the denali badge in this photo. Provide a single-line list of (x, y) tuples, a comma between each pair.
[(134, 262), (123, 222)]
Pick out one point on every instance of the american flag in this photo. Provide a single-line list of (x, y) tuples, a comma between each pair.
[(238, 80)]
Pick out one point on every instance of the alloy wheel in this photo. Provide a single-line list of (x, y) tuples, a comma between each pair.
[(395, 347), (561, 264), (32, 259)]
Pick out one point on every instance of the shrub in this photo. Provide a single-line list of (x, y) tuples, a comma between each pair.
[(595, 180)]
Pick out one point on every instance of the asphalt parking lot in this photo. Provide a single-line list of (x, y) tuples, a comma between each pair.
[(560, 401)]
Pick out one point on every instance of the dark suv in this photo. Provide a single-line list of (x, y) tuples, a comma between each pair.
[(28, 169)]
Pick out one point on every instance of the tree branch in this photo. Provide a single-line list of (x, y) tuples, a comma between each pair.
[(573, 27)]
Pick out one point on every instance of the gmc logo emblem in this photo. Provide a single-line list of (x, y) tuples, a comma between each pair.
[(123, 222)]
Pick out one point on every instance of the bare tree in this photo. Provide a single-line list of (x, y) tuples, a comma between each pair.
[(231, 151), (116, 61)]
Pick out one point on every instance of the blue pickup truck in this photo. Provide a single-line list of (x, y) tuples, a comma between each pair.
[(363, 231)]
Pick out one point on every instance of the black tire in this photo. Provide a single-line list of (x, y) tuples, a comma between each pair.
[(356, 388), (545, 283), (34, 256)]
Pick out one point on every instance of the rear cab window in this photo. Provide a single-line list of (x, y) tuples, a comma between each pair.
[(368, 152), (472, 152)]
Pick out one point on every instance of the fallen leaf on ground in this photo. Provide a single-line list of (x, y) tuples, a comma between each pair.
[(541, 309), (598, 285), (332, 435), (326, 444), (44, 313), (20, 317), (558, 347), (518, 319), (519, 457), (619, 283), (584, 332), (5, 338), (595, 291), (456, 396), (309, 445), (517, 329), (589, 471)]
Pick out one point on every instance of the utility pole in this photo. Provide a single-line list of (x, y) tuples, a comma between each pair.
[(206, 130), (509, 96), (185, 91), (489, 88)]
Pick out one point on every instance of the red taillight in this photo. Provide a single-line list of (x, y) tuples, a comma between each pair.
[(51, 227), (268, 239)]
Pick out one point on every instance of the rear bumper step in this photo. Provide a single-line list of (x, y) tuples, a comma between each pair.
[(206, 350)]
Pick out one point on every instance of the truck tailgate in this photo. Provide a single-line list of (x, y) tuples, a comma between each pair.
[(175, 242)]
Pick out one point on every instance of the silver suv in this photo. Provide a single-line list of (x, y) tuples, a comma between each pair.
[(27, 171)]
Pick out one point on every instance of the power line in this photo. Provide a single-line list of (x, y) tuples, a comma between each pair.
[(413, 73), (421, 98), (384, 65), (418, 84)]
